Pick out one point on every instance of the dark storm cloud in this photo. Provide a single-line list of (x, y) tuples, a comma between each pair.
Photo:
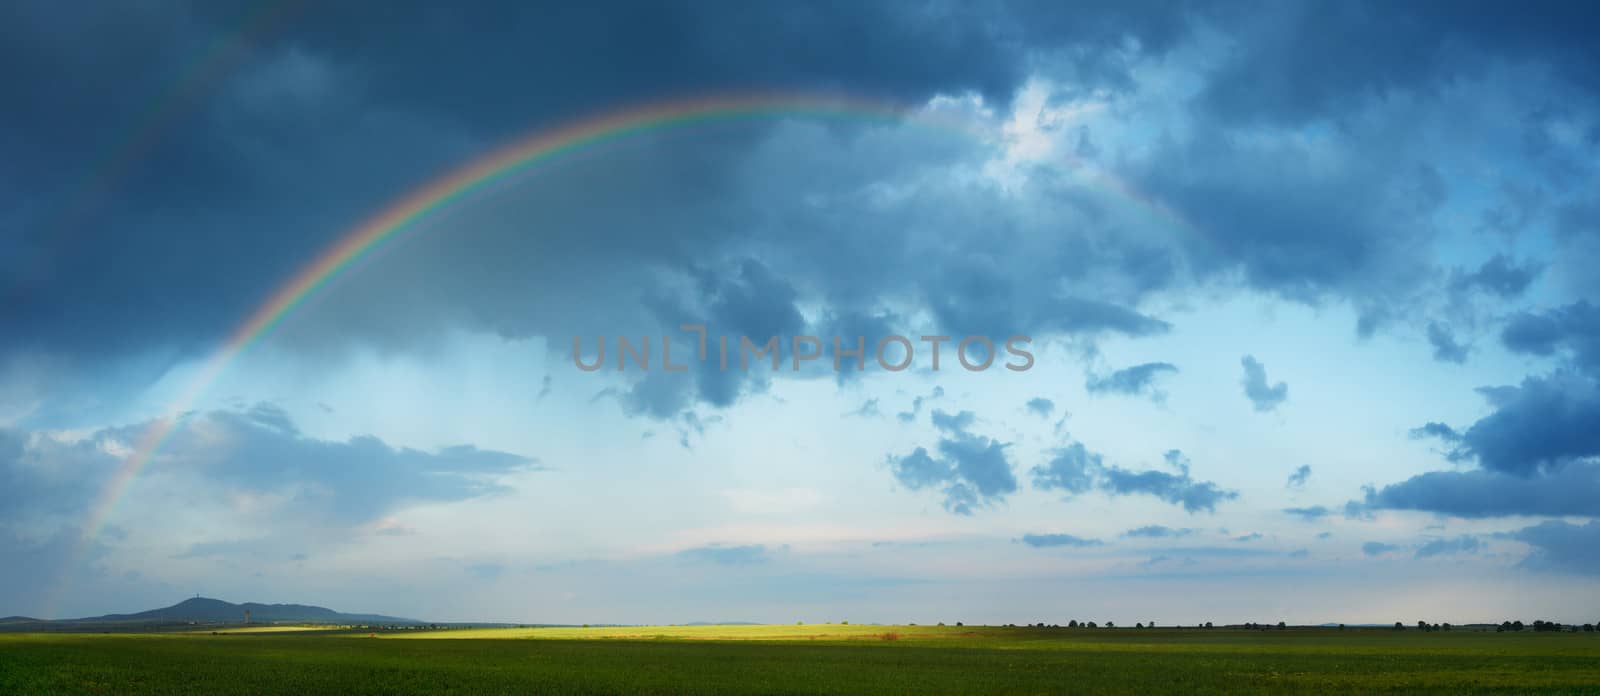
[(744, 301), (978, 297), (1138, 379), (1263, 396), (1316, 60), (1040, 541), (1285, 228), (973, 471), (240, 167)]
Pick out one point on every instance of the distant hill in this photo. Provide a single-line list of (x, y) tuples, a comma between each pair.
[(208, 611), (216, 610)]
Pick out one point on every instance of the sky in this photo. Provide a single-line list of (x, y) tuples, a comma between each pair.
[(1308, 290)]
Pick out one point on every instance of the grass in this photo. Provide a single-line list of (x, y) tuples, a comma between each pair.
[(801, 659)]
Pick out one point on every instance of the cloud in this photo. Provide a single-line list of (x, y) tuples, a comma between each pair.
[(1289, 67), (1562, 547), (1138, 379), (1478, 494), (1178, 489), (1438, 430), (1443, 547), (1306, 246), (1537, 427), (1253, 536), (1074, 469), (868, 409), (1041, 406), (258, 451), (1215, 552), (1071, 469), (1309, 514), (1445, 347), (1499, 276), (916, 405), (1374, 548), (1574, 329), (1040, 541), (1299, 477), (972, 470), (1157, 532), (1261, 395), (955, 423), (749, 554), (346, 127)]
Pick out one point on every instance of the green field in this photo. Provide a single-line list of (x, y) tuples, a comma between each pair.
[(800, 659)]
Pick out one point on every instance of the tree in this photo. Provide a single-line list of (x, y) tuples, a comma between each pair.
[(1341, 627), (1072, 624), (1208, 624), (1110, 625), (1138, 625), (1399, 626), (1282, 626)]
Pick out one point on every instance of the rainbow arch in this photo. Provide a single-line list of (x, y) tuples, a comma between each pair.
[(479, 175)]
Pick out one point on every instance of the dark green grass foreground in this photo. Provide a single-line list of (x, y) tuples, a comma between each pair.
[(803, 659)]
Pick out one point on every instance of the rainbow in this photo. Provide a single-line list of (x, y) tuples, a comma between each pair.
[(147, 130), (481, 176)]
